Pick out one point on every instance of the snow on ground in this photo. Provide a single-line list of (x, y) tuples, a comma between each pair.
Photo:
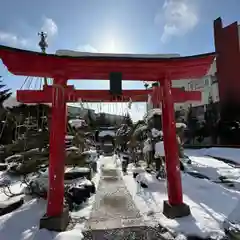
[(23, 223), (210, 204), (232, 154), (213, 168)]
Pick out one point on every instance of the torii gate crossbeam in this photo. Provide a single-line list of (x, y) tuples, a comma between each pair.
[(72, 95)]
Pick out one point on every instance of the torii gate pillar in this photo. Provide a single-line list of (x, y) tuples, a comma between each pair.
[(174, 207), (57, 150), (57, 217)]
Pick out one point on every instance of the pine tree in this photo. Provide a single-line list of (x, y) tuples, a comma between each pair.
[(211, 118), (4, 93)]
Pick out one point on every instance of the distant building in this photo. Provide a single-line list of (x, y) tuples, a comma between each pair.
[(74, 111), (208, 85)]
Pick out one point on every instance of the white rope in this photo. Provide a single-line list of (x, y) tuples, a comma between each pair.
[(30, 82), (24, 82)]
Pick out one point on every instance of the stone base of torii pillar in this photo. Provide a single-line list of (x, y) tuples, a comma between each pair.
[(56, 223), (175, 211)]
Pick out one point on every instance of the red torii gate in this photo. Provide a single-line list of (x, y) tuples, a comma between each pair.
[(62, 68)]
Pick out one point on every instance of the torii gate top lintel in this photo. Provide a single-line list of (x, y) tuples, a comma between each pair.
[(98, 66)]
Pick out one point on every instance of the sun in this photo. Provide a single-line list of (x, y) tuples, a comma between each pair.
[(110, 46)]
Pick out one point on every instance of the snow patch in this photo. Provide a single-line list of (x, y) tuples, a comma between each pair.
[(231, 154), (208, 210)]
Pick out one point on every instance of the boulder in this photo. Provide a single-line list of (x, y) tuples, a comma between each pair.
[(10, 205), (14, 158), (78, 172), (3, 166)]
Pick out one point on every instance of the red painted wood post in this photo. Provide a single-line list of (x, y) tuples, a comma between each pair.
[(57, 151), (174, 184)]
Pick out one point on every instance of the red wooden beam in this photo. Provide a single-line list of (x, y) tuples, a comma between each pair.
[(148, 68), (71, 95)]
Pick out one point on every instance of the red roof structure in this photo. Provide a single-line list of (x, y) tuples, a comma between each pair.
[(99, 66)]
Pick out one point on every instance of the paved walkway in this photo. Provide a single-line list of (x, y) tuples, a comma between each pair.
[(113, 207), (114, 215)]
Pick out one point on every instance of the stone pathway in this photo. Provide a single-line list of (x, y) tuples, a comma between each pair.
[(113, 203), (114, 214)]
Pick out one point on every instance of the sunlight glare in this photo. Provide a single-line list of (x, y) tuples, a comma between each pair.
[(110, 46)]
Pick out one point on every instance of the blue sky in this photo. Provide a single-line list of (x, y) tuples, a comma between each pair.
[(116, 26)]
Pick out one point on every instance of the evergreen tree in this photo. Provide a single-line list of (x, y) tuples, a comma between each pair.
[(4, 93), (211, 118), (211, 114)]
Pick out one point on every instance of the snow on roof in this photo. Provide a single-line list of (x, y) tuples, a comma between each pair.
[(90, 54), (107, 132)]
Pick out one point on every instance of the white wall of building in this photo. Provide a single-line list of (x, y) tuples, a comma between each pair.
[(207, 85)]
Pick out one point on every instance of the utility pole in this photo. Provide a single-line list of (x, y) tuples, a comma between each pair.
[(43, 45)]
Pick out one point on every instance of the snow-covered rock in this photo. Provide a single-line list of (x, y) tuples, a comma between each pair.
[(72, 148), (13, 158), (69, 137), (77, 123), (159, 149), (107, 133), (147, 146), (151, 113), (181, 125), (91, 155), (156, 133)]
